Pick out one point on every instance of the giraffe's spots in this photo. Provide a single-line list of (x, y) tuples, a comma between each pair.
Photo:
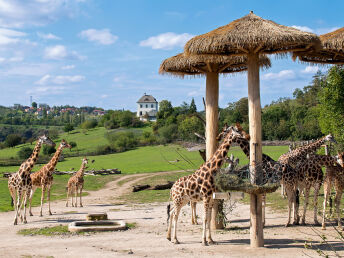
[(219, 162), (199, 180), (208, 165), (211, 180), (193, 186), (204, 168), (206, 185), (202, 174), (227, 147)]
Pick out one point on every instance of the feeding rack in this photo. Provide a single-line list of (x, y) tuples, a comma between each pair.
[(267, 179)]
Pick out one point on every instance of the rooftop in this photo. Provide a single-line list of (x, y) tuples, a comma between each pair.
[(147, 99)]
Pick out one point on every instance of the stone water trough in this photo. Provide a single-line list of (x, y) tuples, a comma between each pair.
[(97, 222)]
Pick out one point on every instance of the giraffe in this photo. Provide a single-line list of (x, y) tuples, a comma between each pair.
[(76, 183), (199, 187), (334, 174), (20, 184), (294, 156), (44, 177), (283, 171)]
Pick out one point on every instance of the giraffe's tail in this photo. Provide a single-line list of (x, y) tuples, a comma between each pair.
[(12, 202), (168, 212)]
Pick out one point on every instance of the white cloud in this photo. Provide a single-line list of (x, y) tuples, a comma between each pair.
[(310, 69), (8, 36), (303, 28), (68, 67), (59, 52), (103, 37), (318, 31), (168, 40), (104, 96), (46, 90), (48, 36), (60, 79), (284, 74), (18, 13), (28, 70)]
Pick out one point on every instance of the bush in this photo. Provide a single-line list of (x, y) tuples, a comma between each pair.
[(122, 141), (89, 124), (25, 153), (68, 127), (168, 132), (48, 150), (13, 140), (104, 149), (72, 144)]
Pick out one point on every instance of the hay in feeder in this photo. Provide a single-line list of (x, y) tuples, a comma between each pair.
[(240, 180)]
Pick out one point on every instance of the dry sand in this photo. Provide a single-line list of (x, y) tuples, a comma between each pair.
[(148, 239)]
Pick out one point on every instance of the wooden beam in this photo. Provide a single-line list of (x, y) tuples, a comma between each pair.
[(209, 67), (199, 69), (255, 129)]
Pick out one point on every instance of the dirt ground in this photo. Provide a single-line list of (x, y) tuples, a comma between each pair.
[(148, 238)]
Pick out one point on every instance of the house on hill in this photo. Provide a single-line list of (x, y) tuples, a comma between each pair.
[(147, 108)]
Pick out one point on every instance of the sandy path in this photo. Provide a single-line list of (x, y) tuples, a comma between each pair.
[(148, 238)]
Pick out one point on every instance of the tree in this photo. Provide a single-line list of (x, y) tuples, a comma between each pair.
[(193, 108), (48, 149), (68, 128), (89, 124), (13, 140), (331, 98), (24, 153), (73, 145), (34, 104)]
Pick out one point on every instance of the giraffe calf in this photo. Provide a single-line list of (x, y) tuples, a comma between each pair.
[(76, 184)]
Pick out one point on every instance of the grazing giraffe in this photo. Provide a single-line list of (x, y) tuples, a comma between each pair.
[(199, 187), (44, 177), (76, 183), (334, 174), (20, 184), (283, 171)]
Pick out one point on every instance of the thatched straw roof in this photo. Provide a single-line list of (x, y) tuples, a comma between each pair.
[(198, 65), (332, 51), (251, 33)]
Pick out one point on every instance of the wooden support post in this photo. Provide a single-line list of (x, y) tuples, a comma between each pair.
[(212, 111), (254, 107)]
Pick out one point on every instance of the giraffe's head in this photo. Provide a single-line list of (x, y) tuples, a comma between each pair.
[(84, 161), (340, 158), (330, 138), (232, 132), (241, 131), (44, 139), (64, 144), (223, 132)]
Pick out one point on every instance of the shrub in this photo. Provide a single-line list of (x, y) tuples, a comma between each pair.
[(13, 140), (122, 141), (24, 153), (48, 150), (68, 128), (168, 132), (89, 124), (72, 144), (104, 149)]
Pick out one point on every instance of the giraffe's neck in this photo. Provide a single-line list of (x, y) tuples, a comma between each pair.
[(245, 147), (53, 162), (216, 161), (27, 165), (323, 160), (80, 173), (310, 148)]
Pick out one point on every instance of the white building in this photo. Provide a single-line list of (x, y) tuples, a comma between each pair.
[(147, 108)]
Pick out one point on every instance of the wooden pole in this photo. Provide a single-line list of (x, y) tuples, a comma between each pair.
[(211, 103), (256, 229)]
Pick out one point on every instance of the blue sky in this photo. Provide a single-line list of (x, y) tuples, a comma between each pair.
[(107, 53)]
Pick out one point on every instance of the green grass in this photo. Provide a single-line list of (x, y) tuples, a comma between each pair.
[(86, 140), (46, 231)]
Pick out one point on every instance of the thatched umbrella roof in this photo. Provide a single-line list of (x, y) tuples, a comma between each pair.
[(251, 33), (198, 65), (332, 51)]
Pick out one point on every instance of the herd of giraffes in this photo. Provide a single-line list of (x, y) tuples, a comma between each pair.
[(23, 183), (298, 170)]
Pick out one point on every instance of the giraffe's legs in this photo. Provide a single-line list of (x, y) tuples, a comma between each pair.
[(175, 220), (48, 199), (33, 189), (339, 193), (76, 196), (315, 203), (327, 193), (68, 191), (26, 197), (291, 201), (17, 206), (210, 240), (305, 204), (42, 200), (193, 213), (170, 224), (80, 196), (207, 206), (72, 194)]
